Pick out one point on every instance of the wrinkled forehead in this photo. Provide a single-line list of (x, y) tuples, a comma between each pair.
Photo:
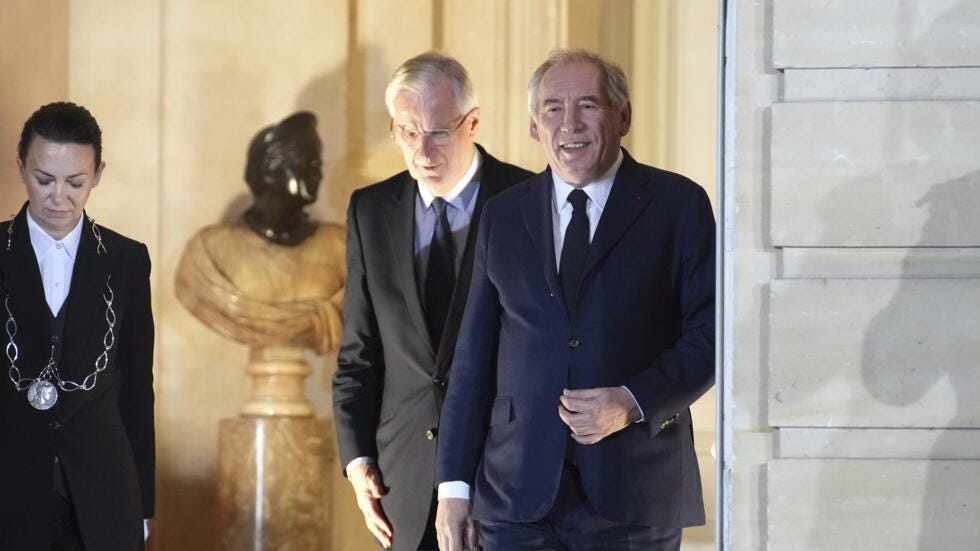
[(431, 107), (575, 80)]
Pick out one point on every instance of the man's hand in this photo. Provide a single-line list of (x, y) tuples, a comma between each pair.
[(454, 525), (594, 413), (366, 480)]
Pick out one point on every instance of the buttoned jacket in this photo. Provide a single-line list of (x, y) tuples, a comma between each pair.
[(104, 437)]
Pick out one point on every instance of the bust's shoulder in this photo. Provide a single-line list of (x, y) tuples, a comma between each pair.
[(222, 233), (328, 236), (223, 243), (331, 229)]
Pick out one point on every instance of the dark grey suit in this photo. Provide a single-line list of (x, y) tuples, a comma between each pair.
[(390, 382)]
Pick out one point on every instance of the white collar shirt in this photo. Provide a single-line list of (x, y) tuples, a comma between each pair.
[(461, 203), (56, 260), (561, 210)]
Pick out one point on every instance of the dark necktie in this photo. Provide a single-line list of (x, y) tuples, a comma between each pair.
[(441, 274), (574, 248)]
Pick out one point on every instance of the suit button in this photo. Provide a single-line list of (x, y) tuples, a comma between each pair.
[(430, 434), (440, 381), (573, 343), (54, 425)]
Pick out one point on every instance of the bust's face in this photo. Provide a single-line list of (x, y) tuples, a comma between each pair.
[(295, 174)]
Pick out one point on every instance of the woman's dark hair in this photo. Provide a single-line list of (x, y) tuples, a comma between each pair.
[(62, 122)]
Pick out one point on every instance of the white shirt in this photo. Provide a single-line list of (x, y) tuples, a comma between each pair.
[(561, 209), (56, 259), (460, 204)]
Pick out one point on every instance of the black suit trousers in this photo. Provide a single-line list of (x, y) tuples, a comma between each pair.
[(573, 525)]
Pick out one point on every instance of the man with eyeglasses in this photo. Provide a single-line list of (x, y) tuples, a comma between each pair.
[(409, 260)]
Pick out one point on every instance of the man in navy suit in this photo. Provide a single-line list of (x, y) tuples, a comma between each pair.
[(588, 333)]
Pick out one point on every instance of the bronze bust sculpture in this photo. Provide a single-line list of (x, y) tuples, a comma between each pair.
[(283, 173), (274, 279)]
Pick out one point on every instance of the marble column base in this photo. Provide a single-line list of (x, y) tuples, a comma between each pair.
[(274, 484), (277, 374)]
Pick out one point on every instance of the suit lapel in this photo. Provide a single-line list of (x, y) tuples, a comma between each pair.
[(536, 208), (627, 199), (84, 307), (491, 179), (401, 233)]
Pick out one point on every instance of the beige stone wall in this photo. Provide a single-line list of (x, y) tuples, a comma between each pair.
[(41, 67), (180, 86), (854, 200)]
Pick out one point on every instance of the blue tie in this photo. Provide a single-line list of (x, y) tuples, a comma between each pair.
[(440, 278), (575, 246)]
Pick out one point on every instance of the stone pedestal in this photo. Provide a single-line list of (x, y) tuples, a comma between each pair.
[(277, 382), (274, 484)]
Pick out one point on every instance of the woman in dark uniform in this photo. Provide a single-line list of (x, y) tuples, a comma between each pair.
[(76, 405)]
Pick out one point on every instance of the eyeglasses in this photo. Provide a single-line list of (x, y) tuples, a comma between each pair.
[(405, 135)]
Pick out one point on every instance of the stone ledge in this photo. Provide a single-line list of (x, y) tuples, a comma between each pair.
[(875, 33)]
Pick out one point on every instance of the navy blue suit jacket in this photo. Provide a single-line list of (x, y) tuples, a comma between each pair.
[(644, 318)]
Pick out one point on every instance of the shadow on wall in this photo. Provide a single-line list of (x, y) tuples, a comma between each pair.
[(915, 369), (925, 337), (327, 97), (342, 106), (352, 123), (907, 351)]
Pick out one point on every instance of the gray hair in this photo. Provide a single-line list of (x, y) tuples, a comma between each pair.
[(617, 88), (424, 71)]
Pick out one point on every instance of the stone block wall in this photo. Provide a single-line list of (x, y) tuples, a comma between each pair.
[(855, 208)]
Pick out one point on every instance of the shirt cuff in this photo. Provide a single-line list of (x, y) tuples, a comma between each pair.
[(357, 461), (454, 489), (643, 416)]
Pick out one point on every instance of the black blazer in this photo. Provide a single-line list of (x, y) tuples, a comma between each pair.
[(390, 382), (104, 437), (644, 317)]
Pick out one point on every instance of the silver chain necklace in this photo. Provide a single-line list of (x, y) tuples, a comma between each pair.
[(42, 391), (99, 247)]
